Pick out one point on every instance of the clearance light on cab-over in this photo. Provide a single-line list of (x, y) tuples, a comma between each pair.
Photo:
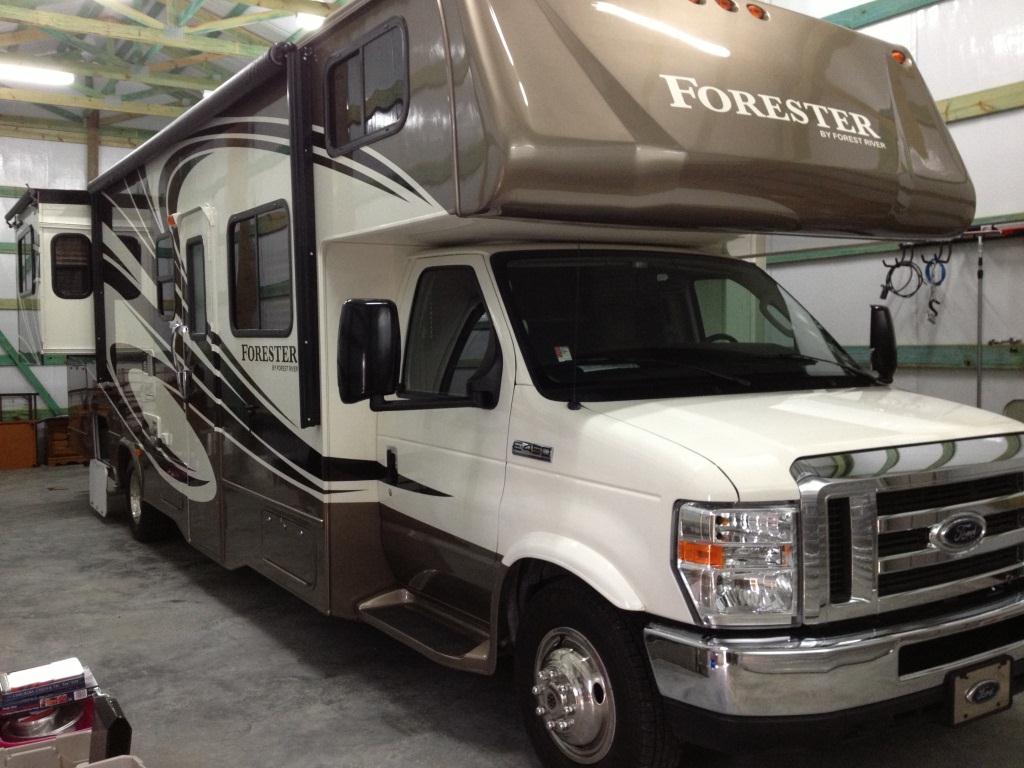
[(738, 562), (757, 12), (900, 57), (727, 5)]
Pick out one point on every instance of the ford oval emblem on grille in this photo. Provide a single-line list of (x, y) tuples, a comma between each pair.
[(983, 692), (959, 533)]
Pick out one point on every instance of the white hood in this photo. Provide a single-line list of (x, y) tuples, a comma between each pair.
[(755, 438)]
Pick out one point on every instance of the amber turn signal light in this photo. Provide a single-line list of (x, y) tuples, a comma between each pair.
[(727, 5), (900, 57), (702, 554), (757, 12)]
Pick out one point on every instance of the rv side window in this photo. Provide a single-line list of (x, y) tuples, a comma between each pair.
[(196, 265), (367, 90), (165, 277), (72, 277), (450, 332), (259, 248), (27, 252)]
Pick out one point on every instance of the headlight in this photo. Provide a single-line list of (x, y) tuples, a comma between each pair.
[(738, 562)]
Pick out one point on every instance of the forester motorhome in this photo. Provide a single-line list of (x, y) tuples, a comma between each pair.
[(432, 325)]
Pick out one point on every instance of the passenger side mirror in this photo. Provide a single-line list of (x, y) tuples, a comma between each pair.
[(369, 349), (883, 343)]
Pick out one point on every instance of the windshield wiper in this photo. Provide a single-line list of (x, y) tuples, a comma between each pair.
[(800, 357), (664, 361)]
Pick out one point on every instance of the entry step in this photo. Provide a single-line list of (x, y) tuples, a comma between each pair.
[(429, 627)]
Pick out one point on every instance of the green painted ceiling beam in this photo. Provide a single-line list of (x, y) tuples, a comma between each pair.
[(73, 132), (130, 12), (189, 11), (242, 20), (26, 371), (295, 6), (997, 357), (876, 11), (981, 103), (115, 72), (83, 102), (133, 32)]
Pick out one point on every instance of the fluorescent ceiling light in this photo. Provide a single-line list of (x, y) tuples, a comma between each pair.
[(666, 29), (309, 20), (35, 75)]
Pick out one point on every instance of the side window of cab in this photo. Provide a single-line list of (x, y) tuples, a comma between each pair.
[(450, 342)]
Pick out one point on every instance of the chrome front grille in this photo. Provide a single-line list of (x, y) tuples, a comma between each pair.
[(871, 525)]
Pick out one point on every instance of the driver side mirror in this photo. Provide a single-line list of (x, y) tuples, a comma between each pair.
[(883, 343), (369, 350)]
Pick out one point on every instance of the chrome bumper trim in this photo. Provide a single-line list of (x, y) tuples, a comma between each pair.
[(785, 676)]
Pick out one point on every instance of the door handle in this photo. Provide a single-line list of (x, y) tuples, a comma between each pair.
[(180, 330), (391, 467)]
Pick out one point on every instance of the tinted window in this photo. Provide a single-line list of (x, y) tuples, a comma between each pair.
[(195, 257), (449, 332), (72, 277), (618, 325), (27, 252), (261, 285), (367, 91), (165, 277)]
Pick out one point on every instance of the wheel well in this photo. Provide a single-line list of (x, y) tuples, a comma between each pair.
[(522, 582), (124, 459)]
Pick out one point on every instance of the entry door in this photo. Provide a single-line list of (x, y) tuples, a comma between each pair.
[(446, 466), (196, 367)]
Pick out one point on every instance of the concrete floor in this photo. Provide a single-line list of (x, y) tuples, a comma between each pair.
[(219, 668)]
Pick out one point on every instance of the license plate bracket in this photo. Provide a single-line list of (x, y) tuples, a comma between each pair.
[(979, 690)]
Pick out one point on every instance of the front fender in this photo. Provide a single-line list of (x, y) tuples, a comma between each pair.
[(580, 560)]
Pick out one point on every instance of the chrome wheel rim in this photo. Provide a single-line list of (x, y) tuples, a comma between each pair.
[(135, 497), (574, 696)]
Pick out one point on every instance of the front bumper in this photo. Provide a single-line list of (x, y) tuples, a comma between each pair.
[(732, 676)]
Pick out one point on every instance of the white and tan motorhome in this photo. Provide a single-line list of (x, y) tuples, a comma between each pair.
[(54, 273), (432, 322)]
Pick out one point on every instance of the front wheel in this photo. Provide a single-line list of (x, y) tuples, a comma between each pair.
[(584, 685)]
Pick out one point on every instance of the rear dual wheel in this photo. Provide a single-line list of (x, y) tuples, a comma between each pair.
[(584, 684), (145, 523)]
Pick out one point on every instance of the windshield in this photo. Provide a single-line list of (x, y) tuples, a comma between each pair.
[(618, 325)]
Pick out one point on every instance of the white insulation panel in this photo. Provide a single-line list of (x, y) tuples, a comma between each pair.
[(961, 46)]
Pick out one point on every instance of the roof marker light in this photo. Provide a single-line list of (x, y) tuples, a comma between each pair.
[(757, 12), (900, 57), (727, 5)]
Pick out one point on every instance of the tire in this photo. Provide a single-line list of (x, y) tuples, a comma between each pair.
[(145, 523), (600, 670)]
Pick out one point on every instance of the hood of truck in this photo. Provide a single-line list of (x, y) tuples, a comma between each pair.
[(754, 439)]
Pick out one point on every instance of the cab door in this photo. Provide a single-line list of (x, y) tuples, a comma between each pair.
[(446, 466), (196, 368)]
